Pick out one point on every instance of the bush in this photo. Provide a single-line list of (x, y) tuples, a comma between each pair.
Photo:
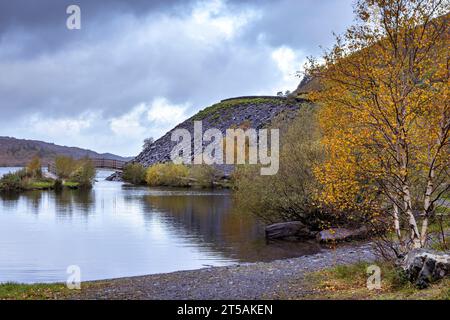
[(12, 182), (167, 174), (84, 174), (58, 185), (203, 175), (22, 174), (134, 173), (65, 166), (34, 168)]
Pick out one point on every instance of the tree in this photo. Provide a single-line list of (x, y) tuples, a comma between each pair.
[(64, 166), (291, 194), (34, 168), (148, 142), (385, 115), (84, 174)]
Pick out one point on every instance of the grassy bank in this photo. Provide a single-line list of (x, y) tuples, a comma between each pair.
[(348, 282), (15, 291)]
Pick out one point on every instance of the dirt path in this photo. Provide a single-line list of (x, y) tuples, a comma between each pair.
[(282, 279)]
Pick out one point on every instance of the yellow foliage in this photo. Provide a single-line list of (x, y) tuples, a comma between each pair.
[(34, 168), (384, 108), (167, 174)]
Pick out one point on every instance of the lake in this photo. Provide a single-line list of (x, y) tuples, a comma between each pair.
[(116, 230)]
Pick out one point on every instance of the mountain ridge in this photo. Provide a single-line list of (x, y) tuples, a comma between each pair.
[(18, 152)]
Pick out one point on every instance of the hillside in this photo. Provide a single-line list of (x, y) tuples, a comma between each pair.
[(254, 112), (18, 152), (306, 86)]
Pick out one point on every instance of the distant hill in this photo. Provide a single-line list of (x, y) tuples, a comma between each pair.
[(18, 152), (253, 112)]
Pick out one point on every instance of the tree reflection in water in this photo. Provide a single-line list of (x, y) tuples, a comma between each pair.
[(213, 220)]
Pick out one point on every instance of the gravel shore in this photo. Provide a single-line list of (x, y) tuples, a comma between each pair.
[(281, 279)]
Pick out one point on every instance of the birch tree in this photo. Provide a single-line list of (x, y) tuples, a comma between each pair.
[(385, 115)]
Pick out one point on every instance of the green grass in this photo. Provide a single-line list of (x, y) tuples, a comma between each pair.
[(349, 282), (216, 110), (71, 184), (41, 185), (16, 291)]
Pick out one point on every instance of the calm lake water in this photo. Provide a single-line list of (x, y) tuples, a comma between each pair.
[(116, 230)]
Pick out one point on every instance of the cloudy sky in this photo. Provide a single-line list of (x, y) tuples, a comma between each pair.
[(137, 68)]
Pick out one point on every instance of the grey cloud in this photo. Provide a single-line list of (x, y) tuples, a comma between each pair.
[(305, 24), (133, 52)]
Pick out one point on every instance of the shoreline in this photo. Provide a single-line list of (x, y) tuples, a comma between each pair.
[(278, 279)]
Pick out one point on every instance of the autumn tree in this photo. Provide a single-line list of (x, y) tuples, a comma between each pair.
[(84, 173), (65, 166), (385, 115), (34, 167)]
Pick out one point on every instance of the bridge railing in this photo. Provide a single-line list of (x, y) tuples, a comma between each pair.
[(98, 163)]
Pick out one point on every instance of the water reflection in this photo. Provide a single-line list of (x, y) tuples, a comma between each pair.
[(69, 201), (116, 230), (213, 220)]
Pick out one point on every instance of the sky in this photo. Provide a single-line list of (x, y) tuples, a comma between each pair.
[(137, 68)]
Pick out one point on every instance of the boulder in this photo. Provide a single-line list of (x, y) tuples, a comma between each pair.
[(116, 176), (292, 229), (423, 267), (342, 234)]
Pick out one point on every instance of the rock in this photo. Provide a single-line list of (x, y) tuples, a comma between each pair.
[(342, 234), (116, 176), (292, 229), (423, 267)]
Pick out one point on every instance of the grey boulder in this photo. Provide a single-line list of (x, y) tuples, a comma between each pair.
[(424, 267), (342, 234), (286, 230)]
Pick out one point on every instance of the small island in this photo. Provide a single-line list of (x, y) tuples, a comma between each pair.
[(70, 173)]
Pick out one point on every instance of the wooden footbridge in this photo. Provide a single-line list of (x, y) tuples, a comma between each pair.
[(110, 164)]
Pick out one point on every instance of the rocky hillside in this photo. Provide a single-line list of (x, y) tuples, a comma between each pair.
[(254, 112), (18, 152)]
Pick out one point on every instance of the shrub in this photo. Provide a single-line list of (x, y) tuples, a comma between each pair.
[(58, 185), (11, 182), (65, 166), (22, 174), (204, 175), (291, 193), (134, 173), (167, 174), (84, 175), (34, 168)]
